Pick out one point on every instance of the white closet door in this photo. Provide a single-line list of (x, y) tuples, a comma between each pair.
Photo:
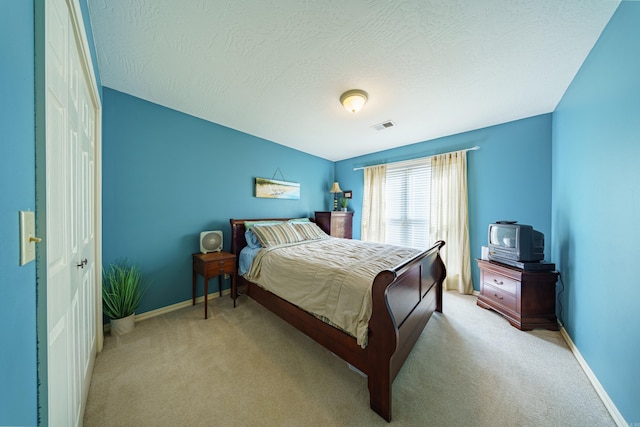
[(70, 228)]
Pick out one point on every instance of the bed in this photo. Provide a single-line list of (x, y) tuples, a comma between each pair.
[(403, 298)]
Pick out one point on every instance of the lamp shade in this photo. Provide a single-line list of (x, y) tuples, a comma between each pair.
[(335, 188), (354, 100)]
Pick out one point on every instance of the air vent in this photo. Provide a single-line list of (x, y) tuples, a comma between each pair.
[(384, 125)]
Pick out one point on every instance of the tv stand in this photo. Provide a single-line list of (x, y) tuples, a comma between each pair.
[(527, 299)]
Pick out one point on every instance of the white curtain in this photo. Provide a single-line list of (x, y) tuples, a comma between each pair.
[(450, 218), (373, 200)]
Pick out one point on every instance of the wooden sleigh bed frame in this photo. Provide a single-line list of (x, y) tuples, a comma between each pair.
[(403, 301)]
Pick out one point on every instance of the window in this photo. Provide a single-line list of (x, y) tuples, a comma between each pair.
[(415, 203), (407, 210)]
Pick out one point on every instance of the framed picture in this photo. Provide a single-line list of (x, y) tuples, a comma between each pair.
[(347, 194), (273, 189)]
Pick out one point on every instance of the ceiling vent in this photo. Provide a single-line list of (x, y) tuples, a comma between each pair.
[(384, 125)]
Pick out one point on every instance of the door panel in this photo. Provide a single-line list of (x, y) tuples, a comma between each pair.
[(59, 401)]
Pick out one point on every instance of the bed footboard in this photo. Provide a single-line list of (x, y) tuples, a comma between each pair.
[(403, 301)]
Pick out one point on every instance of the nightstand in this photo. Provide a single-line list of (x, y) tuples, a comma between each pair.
[(336, 223), (211, 265)]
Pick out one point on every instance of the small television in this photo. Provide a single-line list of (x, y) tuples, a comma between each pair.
[(510, 241)]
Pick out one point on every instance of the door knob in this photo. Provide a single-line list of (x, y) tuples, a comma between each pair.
[(82, 263)]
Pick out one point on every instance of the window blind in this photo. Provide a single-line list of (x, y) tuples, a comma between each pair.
[(408, 196)]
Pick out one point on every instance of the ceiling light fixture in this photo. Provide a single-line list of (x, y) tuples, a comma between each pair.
[(353, 100)]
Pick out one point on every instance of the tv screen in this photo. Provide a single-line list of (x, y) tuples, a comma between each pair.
[(503, 236)]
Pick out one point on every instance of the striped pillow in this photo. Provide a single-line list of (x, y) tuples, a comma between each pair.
[(309, 231), (276, 234)]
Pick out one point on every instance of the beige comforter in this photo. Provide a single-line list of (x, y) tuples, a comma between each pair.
[(331, 277)]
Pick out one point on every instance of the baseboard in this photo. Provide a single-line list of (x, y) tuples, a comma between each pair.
[(173, 307), (608, 403)]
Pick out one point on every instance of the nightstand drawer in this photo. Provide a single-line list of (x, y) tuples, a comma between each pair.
[(497, 295), (222, 266), (501, 282)]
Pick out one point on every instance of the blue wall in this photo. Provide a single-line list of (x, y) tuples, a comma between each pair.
[(18, 374), (167, 176), (508, 178), (596, 208)]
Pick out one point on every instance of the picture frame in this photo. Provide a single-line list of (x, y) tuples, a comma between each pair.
[(347, 194), (274, 189)]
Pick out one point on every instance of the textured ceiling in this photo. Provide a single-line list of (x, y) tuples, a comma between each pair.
[(276, 69)]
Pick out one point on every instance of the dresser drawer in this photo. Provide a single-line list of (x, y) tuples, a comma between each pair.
[(498, 295), (501, 282), (222, 266)]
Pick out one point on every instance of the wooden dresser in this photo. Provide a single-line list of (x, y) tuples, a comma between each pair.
[(527, 299), (336, 223)]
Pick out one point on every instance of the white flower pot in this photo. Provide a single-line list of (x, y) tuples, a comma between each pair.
[(123, 326)]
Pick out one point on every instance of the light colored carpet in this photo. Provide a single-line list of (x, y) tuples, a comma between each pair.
[(246, 367)]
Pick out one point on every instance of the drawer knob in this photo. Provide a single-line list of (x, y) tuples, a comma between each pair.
[(498, 283), (497, 296)]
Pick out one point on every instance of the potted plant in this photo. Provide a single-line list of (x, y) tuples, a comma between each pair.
[(122, 289), (344, 202)]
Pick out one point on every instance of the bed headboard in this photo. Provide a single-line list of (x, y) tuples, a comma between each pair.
[(237, 232)]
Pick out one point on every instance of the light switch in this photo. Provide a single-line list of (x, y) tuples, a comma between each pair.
[(28, 237)]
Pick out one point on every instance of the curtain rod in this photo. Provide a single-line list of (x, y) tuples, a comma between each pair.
[(417, 158)]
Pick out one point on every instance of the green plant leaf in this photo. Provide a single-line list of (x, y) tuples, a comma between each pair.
[(122, 289)]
